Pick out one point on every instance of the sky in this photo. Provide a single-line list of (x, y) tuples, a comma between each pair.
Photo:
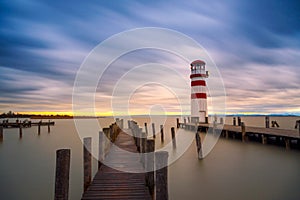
[(254, 44)]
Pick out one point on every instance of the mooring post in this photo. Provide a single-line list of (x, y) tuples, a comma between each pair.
[(87, 159), (189, 119), (287, 143), (161, 166), (1, 133), (199, 145), (101, 148), (153, 130), (162, 133), (146, 129), (239, 121), (39, 128), (62, 174), (143, 147), (263, 139), (49, 126), (177, 123), (243, 130), (20, 131), (184, 121), (234, 121), (173, 137), (150, 165), (267, 121)]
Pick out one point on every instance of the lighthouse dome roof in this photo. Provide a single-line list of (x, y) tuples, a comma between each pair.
[(201, 62)]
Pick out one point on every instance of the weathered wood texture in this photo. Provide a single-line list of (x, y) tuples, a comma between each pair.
[(110, 183), (62, 174)]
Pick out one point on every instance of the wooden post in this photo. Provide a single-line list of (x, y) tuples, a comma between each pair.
[(62, 174), (177, 122), (146, 129), (173, 137), (189, 119), (267, 121), (1, 133), (87, 159), (226, 134), (184, 120), (162, 133), (199, 145), (234, 121), (287, 143), (101, 149), (153, 130), (150, 165), (263, 139), (20, 131), (143, 147), (161, 166), (239, 121), (243, 131), (39, 128), (49, 126)]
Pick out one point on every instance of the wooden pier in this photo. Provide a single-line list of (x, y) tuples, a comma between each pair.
[(246, 133), (25, 124), (124, 171), (110, 183)]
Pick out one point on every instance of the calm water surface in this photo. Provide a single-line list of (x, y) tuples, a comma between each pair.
[(233, 170)]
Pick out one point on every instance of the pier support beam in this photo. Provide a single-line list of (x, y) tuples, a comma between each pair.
[(177, 123), (146, 129), (243, 130), (87, 159), (173, 137), (1, 133), (199, 145), (62, 174), (153, 130), (20, 131), (267, 121), (162, 133), (39, 128), (161, 166), (226, 134), (263, 139), (287, 143)]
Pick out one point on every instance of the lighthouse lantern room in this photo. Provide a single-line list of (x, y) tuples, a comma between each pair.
[(198, 92)]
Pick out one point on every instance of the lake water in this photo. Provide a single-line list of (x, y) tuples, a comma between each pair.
[(232, 170)]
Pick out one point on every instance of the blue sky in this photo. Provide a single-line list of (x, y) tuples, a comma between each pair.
[(255, 44)]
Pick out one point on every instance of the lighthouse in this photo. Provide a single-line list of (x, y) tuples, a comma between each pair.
[(198, 92)]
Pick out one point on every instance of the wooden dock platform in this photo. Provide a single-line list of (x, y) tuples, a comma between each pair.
[(110, 183), (265, 135)]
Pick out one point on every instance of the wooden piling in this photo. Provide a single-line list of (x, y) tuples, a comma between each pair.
[(177, 123), (173, 137), (234, 121), (226, 134), (62, 174), (162, 133), (87, 159), (239, 121), (39, 128), (161, 166), (150, 165), (101, 148), (287, 143), (153, 130), (243, 130), (199, 145), (263, 139), (1, 133), (267, 121), (49, 126), (20, 131), (146, 129)]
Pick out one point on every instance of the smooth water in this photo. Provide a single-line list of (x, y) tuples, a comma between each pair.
[(232, 170)]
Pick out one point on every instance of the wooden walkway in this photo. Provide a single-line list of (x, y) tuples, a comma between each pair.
[(110, 183)]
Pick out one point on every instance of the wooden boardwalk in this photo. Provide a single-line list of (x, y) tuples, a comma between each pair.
[(110, 183)]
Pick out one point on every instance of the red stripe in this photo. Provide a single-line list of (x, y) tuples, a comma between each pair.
[(198, 96), (199, 82), (198, 75)]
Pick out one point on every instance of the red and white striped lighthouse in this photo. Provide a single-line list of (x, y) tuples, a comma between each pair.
[(198, 92)]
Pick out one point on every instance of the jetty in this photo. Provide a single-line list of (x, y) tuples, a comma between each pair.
[(25, 124), (246, 133), (124, 170)]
